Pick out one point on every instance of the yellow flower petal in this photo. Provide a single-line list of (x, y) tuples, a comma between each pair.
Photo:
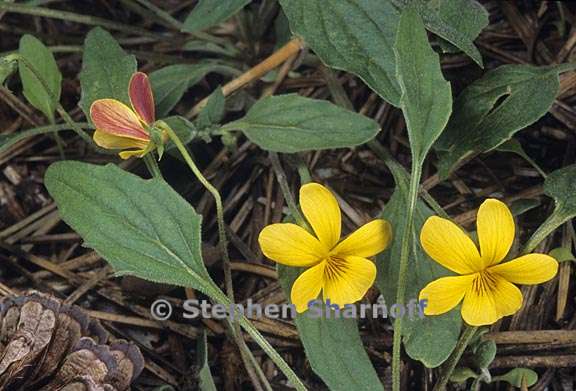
[(445, 293), (490, 298), (495, 226), (346, 280), (111, 141), (448, 245), (307, 287), (128, 154), (366, 241), (291, 245), (322, 212), (528, 269)]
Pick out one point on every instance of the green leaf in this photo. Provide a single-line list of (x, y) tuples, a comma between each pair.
[(352, 35), (213, 112), (43, 96), (426, 97), (492, 109), (208, 13), (484, 354), (462, 374), (516, 376), (457, 21), (430, 339), (291, 123), (142, 227), (562, 254), (560, 185), (205, 380), (170, 83), (106, 70), (333, 346)]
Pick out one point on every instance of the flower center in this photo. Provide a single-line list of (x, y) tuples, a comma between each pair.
[(335, 268), (484, 283)]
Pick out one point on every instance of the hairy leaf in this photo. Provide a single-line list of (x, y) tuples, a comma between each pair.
[(291, 123), (426, 97), (560, 185), (492, 109), (106, 70), (353, 35), (205, 379), (457, 21), (519, 377), (142, 227), (43, 96), (333, 346)]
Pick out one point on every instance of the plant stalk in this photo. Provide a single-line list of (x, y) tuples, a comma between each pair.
[(265, 345), (285, 188), (403, 270), (455, 357), (249, 360)]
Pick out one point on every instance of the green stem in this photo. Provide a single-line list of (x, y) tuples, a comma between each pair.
[(403, 271), (555, 220), (246, 354), (265, 345), (152, 166), (398, 172), (455, 357), (282, 180)]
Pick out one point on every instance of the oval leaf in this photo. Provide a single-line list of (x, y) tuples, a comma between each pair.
[(492, 109), (355, 36), (426, 97), (40, 57), (457, 21), (333, 346), (142, 227), (519, 377), (106, 70), (291, 123)]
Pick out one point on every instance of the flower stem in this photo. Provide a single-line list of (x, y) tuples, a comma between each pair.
[(152, 166), (281, 178), (249, 360), (555, 220), (454, 358), (265, 345), (403, 271)]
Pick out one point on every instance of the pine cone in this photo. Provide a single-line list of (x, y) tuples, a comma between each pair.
[(50, 346)]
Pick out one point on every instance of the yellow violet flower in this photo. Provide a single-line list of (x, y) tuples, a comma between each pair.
[(485, 285), (337, 268)]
